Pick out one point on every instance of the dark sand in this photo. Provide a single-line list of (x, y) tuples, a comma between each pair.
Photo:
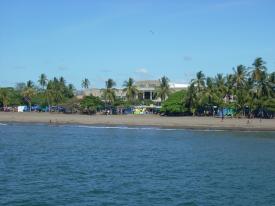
[(142, 120)]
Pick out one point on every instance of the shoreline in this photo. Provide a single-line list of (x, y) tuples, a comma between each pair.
[(192, 123)]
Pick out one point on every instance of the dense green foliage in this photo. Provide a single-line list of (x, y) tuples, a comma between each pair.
[(250, 91), (109, 94), (175, 104), (50, 92), (163, 90), (130, 90), (91, 104)]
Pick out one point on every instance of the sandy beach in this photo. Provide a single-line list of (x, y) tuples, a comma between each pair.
[(142, 120)]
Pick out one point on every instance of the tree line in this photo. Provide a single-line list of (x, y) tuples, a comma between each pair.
[(56, 92), (249, 90)]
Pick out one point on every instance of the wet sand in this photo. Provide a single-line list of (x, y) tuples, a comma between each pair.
[(142, 120)]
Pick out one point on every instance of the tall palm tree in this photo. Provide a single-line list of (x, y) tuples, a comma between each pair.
[(130, 89), (62, 80), (271, 77), (109, 91), (30, 84), (240, 85), (271, 80), (221, 88), (210, 91), (70, 90), (191, 98), (71, 87), (85, 83), (42, 80), (4, 97), (163, 90), (55, 80), (240, 76), (199, 82), (49, 93), (263, 89), (55, 91), (28, 93), (258, 69)]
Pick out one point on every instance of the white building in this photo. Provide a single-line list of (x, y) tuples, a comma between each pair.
[(147, 90)]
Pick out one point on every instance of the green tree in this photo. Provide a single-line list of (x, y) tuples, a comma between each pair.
[(130, 90), (258, 69), (42, 80), (240, 88), (90, 104), (163, 90), (28, 93), (30, 84), (192, 98), (62, 81), (175, 104), (4, 96), (109, 92), (199, 82), (85, 83)]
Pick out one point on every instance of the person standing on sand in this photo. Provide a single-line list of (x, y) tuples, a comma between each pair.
[(222, 115)]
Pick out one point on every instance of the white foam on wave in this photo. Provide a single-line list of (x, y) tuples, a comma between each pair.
[(2, 124), (126, 128), (147, 128)]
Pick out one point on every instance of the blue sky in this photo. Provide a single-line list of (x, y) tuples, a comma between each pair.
[(142, 39)]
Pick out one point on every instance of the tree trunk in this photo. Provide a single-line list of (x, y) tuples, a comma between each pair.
[(48, 101)]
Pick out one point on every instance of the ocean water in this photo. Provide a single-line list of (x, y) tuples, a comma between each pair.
[(86, 165)]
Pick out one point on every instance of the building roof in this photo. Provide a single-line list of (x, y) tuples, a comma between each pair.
[(147, 83)]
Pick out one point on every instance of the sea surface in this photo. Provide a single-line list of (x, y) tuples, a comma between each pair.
[(87, 165)]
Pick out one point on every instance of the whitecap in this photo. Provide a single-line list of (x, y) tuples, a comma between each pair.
[(131, 128)]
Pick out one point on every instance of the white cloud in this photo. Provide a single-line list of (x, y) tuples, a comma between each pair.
[(142, 71)]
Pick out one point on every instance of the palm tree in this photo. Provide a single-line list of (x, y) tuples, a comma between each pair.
[(258, 69), (4, 97), (28, 93), (221, 89), (271, 78), (30, 84), (199, 82), (191, 98), (130, 89), (263, 88), (71, 87), (240, 83), (210, 91), (62, 80), (42, 80), (163, 90), (49, 93), (85, 83), (240, 76), (70, 90), (109, 91), (55, 91)]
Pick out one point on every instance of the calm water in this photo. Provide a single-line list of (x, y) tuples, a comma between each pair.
[(74, 165)]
